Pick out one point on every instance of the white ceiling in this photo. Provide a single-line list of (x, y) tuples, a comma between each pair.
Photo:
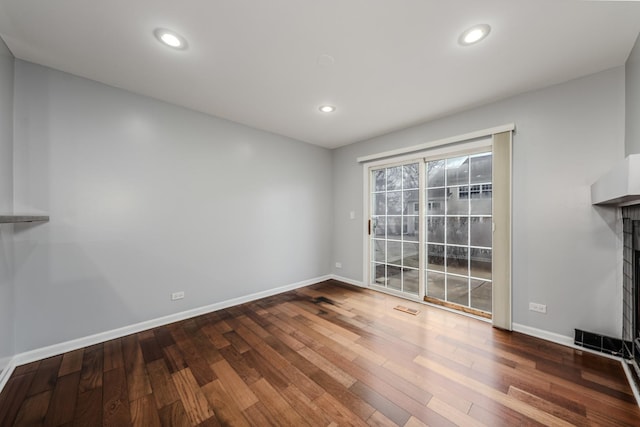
[(397, 62)]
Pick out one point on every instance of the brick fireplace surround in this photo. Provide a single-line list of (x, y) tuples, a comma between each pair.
[(630, 285)]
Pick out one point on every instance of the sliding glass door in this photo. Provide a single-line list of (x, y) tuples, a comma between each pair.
[(431, 230)]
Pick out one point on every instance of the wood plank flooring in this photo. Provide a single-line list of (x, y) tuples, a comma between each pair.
[(325, 355)]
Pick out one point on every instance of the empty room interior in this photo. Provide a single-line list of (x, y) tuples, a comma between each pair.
[(408, 213)]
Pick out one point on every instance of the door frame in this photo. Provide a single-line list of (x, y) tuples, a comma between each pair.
[(502, 303)]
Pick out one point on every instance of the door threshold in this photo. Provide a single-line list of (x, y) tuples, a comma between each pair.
[(458, 307)]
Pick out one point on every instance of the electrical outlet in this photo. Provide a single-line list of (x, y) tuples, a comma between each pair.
[(352, 215), (539, 308), (177, 295), (338, 265)]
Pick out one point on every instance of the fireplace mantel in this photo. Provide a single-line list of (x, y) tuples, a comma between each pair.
[(620, 186)]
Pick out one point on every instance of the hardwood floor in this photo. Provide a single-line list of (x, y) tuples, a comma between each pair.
[(322, 355)]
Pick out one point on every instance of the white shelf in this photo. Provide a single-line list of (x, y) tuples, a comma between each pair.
[(13, 219)]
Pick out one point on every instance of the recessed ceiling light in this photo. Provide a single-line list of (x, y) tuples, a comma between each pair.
[(474, 34), (170, 38), (327, 108)]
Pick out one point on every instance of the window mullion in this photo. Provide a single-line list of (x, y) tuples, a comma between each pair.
[(422, 231)]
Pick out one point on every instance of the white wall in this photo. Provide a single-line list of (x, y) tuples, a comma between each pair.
[(6, 205), (147, 198), (632, 111), (565, 251)]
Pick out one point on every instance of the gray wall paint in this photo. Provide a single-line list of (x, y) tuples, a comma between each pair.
[(147, 198), (632, 100), (565, 251), (6, 205)]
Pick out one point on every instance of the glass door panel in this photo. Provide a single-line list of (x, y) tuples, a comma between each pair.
[(458, 235), (395, 223)]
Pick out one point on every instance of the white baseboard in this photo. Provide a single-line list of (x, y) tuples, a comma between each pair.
[(63, 347), (545, 335), (53, 350), (8, 365), (558, 339), (627, 371), (4, 361), (348, 281)]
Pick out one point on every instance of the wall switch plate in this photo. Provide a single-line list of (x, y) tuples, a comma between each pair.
[(352, 215), (338, 265), (539, 308), (177, 295)]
